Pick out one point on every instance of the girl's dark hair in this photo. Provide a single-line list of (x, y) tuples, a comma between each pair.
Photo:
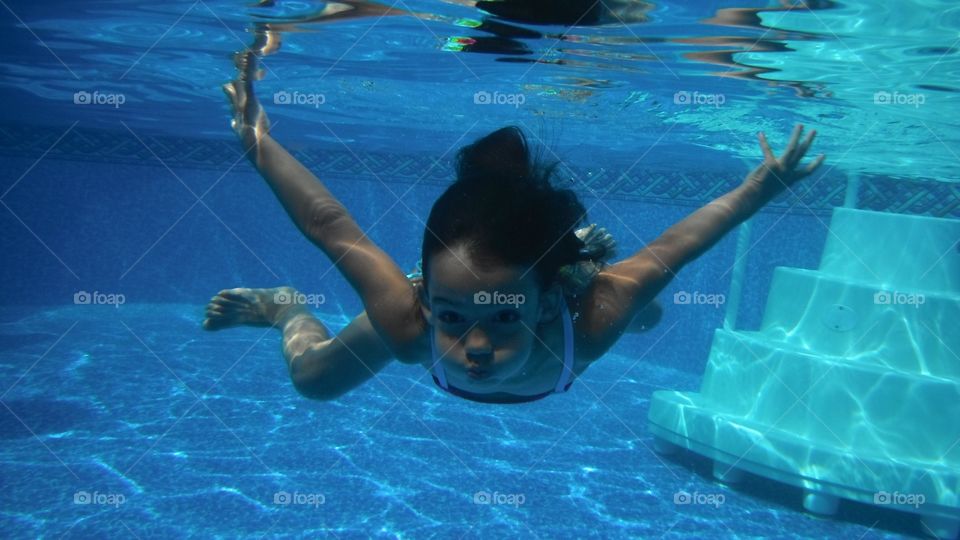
[(505, 210)]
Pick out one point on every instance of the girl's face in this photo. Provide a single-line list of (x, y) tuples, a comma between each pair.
[(484, 320)]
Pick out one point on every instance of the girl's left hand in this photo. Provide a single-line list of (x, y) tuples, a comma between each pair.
[(775, 175)]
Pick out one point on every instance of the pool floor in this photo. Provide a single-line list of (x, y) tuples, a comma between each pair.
[(131, 421)]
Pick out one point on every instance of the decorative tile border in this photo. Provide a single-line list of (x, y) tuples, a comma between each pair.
[(666, 186)]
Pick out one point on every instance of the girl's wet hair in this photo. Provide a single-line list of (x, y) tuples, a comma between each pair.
[(504, 209)]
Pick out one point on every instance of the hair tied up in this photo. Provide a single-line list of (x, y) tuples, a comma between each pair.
[(501, 154), (505, 210)]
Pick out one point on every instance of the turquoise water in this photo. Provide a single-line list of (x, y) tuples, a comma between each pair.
[(129, 420)]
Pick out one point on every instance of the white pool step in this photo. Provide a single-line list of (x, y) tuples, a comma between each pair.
[(915, 330), (827, 473), (851, 387), (859, 405), (893, 250)]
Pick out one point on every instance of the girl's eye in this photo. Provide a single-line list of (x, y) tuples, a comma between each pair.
[(508, 316), (450, 317)]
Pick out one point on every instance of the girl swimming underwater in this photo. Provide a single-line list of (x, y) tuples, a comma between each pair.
[(513, 302)]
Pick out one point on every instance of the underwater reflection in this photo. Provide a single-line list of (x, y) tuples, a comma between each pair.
[(507, 29)]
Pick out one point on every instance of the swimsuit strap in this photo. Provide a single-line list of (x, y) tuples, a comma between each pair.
[(567, 373), (437, 368)]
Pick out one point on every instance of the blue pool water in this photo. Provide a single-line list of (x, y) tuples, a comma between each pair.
[(130, 421)]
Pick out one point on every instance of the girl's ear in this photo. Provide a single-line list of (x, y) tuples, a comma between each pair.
[(550, 303)]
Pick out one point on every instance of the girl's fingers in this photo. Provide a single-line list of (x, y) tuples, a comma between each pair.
[(767, 154), (793, 154), (585, 233), (794, 139), (816, 163), (805, 145)]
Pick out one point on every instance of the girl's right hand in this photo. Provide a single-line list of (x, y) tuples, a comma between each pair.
[(776, 175)]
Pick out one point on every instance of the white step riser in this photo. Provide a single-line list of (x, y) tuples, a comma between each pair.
[(826, 316), (838, 403), (894, 250), (687, 420)]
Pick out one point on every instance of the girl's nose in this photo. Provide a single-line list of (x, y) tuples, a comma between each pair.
[(477, 345)]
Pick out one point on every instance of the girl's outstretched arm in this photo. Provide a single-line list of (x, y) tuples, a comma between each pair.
[(622, 289), (381, 284)]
